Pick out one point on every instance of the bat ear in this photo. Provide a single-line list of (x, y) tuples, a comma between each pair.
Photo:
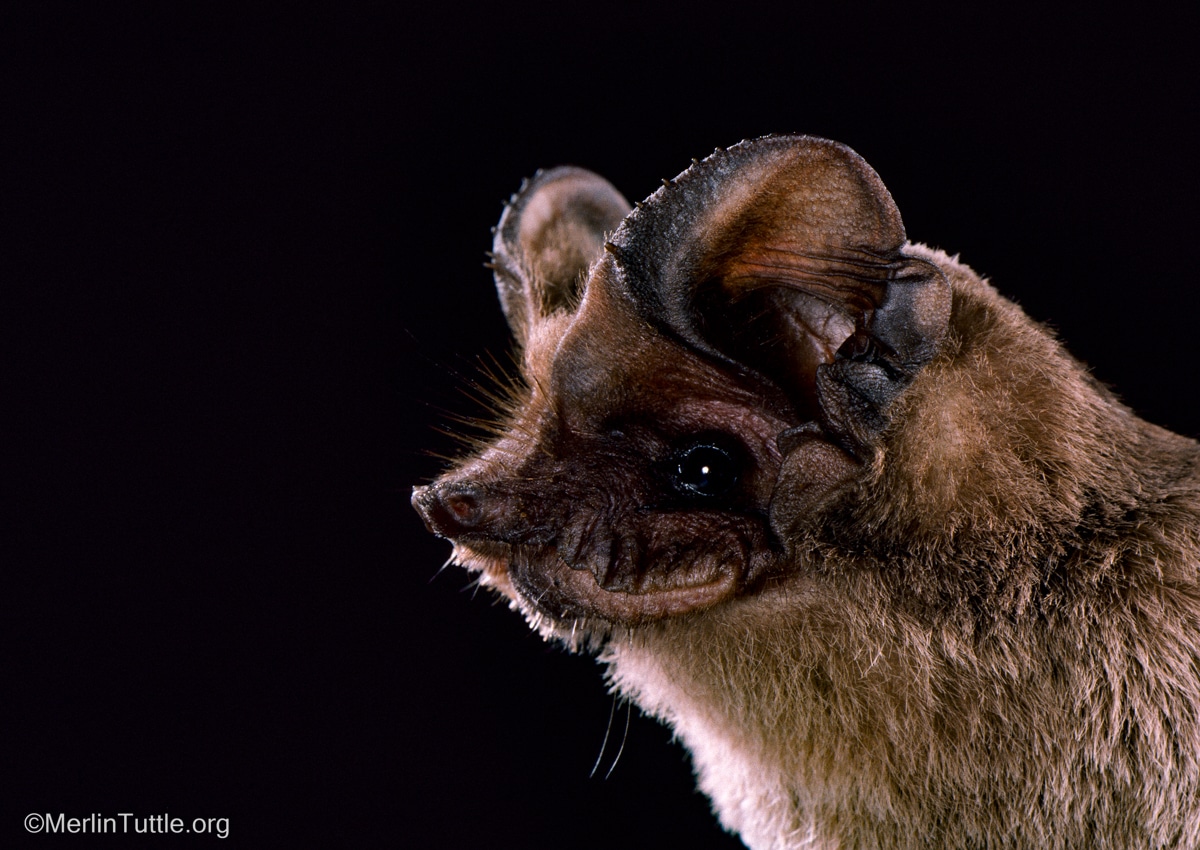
[(784, 255), (550, 232)]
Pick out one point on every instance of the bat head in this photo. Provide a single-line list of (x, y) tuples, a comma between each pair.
[(702, 375)]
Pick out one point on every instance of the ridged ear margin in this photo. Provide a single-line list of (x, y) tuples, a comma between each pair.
[(549, 234), (783, 255)]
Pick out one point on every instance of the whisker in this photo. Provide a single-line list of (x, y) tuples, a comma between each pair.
[(612, 711), (442, 568), (624, 738)]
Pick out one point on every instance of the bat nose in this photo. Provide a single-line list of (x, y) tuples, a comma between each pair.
[(448, 511)]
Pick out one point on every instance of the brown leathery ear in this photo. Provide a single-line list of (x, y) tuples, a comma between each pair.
[(550, 232), (783, 255)]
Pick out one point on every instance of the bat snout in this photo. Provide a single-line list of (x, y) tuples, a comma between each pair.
[(449, 510)]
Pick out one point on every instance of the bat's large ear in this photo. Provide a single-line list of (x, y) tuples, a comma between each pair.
[(550, 233), (784, 255)]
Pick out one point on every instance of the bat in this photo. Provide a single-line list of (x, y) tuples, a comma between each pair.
[(894, 567)]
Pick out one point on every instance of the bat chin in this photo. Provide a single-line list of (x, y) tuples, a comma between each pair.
[(559, 597), (489, 561)]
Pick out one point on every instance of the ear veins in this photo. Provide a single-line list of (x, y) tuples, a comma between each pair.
[(841, 279)]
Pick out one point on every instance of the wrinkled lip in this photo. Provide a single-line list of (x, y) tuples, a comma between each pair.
[(541, 579), (562, 592)]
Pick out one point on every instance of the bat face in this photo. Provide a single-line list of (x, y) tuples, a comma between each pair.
[(636, 487), (698, 373)]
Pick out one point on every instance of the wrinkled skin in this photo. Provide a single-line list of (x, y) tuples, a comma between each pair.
[(580, 507)]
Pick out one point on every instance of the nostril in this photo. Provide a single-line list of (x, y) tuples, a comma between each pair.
[(447, 511), (463, 506)]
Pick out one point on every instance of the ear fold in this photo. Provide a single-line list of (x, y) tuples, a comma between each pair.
[(548, 235), (783, 255)]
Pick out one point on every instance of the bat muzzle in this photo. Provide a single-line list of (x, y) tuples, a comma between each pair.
[(448, 511)]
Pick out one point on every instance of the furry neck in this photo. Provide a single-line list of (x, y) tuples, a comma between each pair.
[(1005, 656)]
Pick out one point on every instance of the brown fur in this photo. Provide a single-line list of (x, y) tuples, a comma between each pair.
[(961, 613)]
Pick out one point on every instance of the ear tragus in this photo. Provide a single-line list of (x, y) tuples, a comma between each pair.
[(548, 235)]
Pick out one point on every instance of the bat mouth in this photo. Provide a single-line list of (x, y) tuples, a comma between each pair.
[(633, 583), (563, 592)]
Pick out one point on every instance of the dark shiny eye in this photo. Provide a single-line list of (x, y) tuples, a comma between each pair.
[(705, 470)]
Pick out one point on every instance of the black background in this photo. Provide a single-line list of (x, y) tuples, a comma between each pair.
[(242, 285)]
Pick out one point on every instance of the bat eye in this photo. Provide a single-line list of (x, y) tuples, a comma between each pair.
[(705, 470)]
